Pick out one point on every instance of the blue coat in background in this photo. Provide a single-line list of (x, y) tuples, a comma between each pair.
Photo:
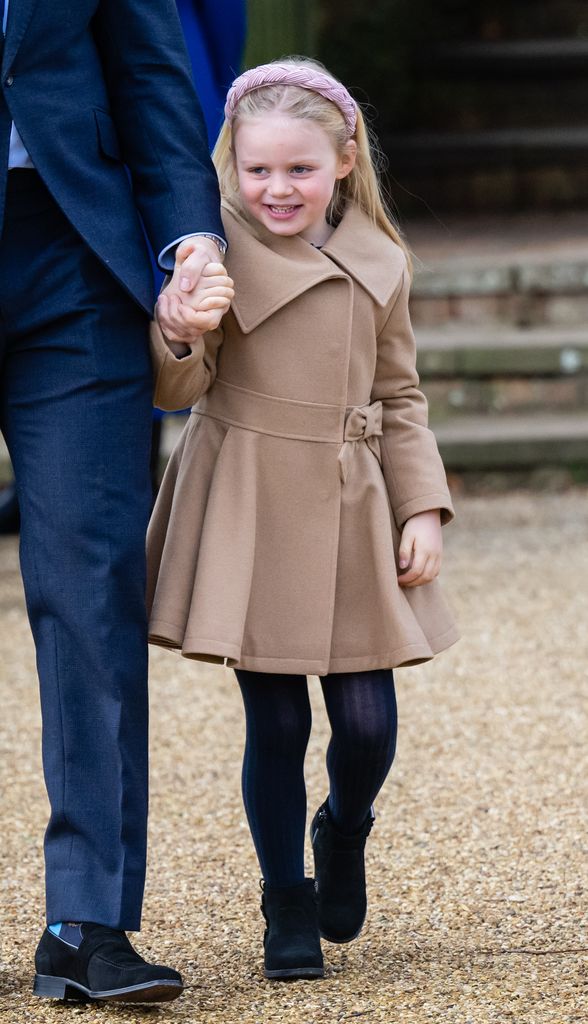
[(215, 35), (215, 32)]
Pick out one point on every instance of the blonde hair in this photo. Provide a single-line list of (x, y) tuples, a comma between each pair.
[(362, 186)]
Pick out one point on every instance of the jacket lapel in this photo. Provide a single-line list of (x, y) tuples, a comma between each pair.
[(367, 255), (270, 271), (19, 16)]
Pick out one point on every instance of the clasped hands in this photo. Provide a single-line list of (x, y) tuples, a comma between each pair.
[(196, 297)]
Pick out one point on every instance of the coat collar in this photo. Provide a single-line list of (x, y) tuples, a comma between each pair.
[(367, 255), (19, 16), (270, 271)]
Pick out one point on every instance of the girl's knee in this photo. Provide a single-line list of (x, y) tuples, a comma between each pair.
[(285, 731), (277, 710)]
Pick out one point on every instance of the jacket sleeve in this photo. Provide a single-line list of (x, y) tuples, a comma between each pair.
[(179, 383), (413, 471), (158, 118)]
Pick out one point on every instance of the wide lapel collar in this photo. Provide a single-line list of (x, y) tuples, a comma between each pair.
[(367, 254), (270, 271), (19, 16)]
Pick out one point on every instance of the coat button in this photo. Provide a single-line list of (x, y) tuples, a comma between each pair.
[(9, 80)]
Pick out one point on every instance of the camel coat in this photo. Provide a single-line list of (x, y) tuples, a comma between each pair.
[(274, 539)]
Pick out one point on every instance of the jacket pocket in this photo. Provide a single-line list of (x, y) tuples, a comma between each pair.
[(107, 137)]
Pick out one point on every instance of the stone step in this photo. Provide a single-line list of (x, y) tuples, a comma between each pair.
[(523, 239), (486, 189), (485, 106), (488, 277), (501, 276), (499, 311), (545, 20), (518, 146), (482, 352), (520, 395), (482, 370), (476, 81), (516, 58), (504, 442)]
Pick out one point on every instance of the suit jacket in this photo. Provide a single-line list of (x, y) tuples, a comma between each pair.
[(92, 86), (275, 535)]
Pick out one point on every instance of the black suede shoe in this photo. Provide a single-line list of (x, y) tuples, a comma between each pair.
[(105, 966), (292, 944), (340, 876)]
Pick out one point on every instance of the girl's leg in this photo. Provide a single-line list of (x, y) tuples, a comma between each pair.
[(362, 711), (278, 717)]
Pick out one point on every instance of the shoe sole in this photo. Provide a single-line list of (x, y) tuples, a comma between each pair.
[(342, 942), (290, 973), (50, 987)]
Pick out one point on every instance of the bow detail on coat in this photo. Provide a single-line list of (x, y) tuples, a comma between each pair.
[(364, 423)]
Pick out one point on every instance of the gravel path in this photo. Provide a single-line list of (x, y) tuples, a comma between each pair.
[(477, 863)]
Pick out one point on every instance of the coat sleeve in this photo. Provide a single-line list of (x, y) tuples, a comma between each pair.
[(179, 383), (412, 467), (158, 119)]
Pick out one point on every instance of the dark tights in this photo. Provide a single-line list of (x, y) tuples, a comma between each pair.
[(362, 712)]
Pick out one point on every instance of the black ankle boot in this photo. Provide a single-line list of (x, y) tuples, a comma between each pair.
[(105, 966), (340, 876), (291, 942)]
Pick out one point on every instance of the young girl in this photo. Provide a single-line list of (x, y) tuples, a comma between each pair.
[(298, 527)]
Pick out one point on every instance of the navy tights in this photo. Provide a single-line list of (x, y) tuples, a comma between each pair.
[(362, 713)]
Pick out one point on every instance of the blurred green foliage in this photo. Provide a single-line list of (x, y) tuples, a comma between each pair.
[(278, 28)]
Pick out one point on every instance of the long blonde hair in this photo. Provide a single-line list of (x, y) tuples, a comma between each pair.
[(362, 186)]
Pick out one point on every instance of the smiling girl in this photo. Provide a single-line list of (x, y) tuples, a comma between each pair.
[(298, 527)]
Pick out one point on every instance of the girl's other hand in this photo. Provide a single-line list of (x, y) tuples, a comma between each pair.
[(185, 319), (421, 548)]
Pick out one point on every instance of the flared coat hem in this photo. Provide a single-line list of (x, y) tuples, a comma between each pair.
[(215, 652)]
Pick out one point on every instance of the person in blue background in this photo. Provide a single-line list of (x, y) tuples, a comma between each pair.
[(215, 35)]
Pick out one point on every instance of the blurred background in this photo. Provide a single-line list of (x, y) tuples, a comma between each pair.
[(481, 109), (481, 112)]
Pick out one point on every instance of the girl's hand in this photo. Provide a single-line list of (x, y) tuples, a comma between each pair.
[(421, 547), (185, 319)]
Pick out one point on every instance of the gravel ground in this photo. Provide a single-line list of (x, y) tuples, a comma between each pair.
[(477, 863)]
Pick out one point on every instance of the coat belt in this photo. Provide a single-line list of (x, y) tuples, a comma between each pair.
[(302, 421)]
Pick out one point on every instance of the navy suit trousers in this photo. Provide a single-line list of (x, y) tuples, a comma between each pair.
[(75, 409)]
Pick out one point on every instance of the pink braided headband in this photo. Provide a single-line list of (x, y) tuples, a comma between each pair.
[(293, 74)]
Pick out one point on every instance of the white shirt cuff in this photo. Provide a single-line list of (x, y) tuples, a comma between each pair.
[(167, 258)]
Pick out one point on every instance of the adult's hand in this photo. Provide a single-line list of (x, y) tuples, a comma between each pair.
[(192, 255), (185, 319)]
